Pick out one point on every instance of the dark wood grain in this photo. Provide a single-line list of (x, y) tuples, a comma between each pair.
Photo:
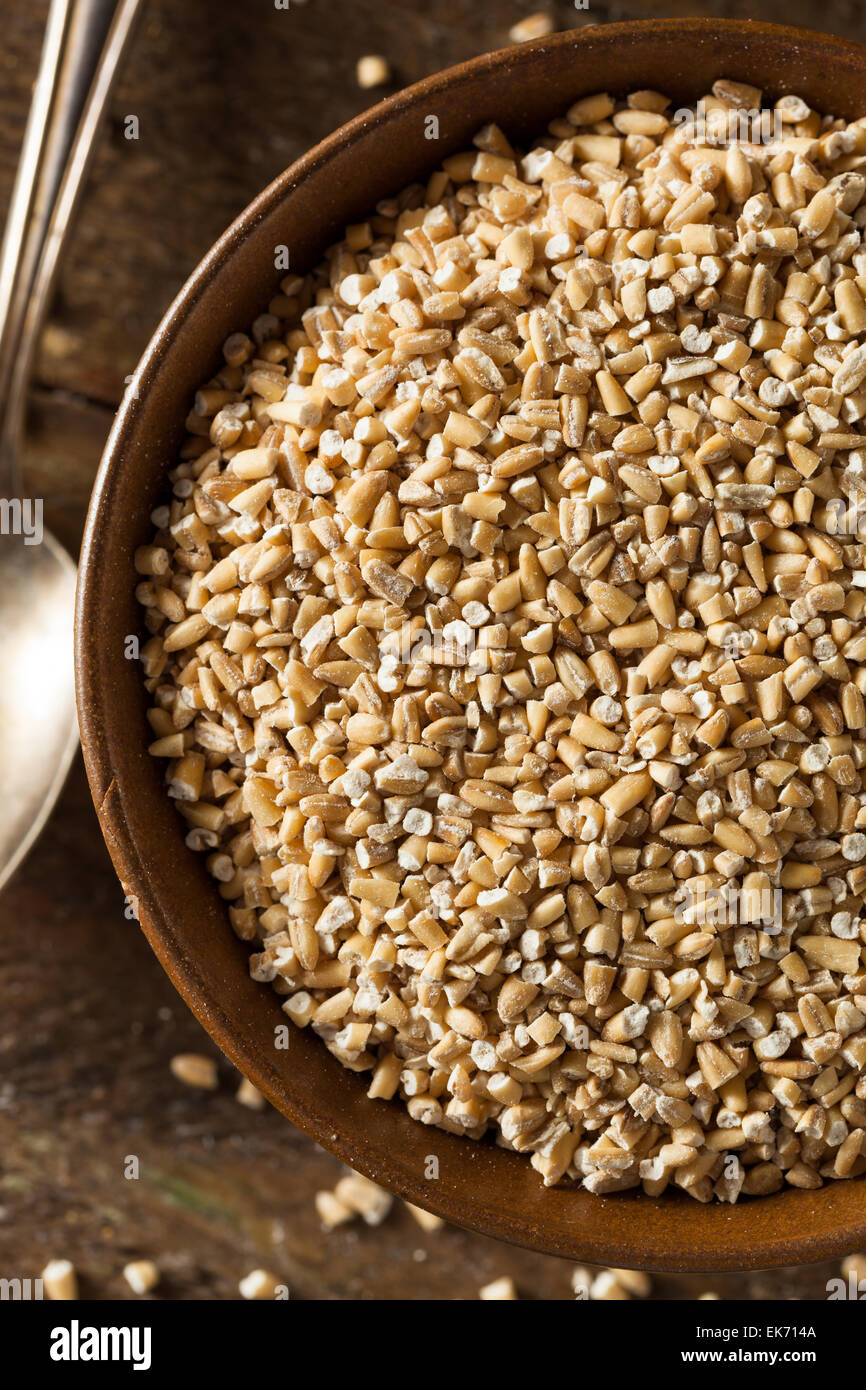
[(226, 96)]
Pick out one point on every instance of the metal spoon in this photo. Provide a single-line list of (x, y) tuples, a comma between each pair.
[(83, 46)]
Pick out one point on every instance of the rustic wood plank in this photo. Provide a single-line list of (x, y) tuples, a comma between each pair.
[(226, 97)]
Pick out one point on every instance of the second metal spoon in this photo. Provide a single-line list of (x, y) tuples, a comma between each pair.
[(83, 46)]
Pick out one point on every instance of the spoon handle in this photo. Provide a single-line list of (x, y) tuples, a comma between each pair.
[(84, 43)]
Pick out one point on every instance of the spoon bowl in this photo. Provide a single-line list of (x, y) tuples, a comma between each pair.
[(38, 728)]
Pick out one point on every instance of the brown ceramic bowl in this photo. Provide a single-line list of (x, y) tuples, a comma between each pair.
[(479, 1185)]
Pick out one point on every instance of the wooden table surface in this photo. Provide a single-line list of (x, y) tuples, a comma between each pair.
[(226, 96)]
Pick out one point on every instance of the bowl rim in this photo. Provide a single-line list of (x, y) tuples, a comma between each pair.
[(620, 1244)]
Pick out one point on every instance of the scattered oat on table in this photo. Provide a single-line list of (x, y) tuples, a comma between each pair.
[(856, 1265), (249, 1095), (427, 1220), (141, 1276), (331, 1211), (365, 1198), (60, 1281), (500, 1290), (259, 1284), (534, 26), (196, 1070), (373, 71), (605, 1285), (634, 1281), (354, 1196), (606, 1288)]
